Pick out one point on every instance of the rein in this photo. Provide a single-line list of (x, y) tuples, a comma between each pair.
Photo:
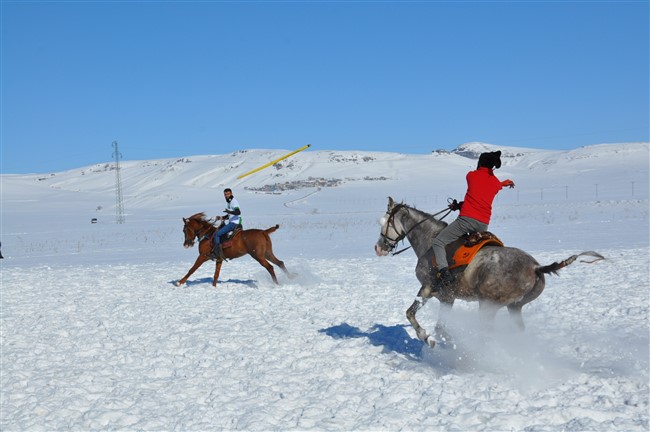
[(403, 235), (201, 234)]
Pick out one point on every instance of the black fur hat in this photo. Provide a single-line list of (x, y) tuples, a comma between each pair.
[(490, 160)]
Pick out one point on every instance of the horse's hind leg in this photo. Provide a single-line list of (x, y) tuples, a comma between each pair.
[(515, 308), (269, 256), (515, 314), (264, 263)]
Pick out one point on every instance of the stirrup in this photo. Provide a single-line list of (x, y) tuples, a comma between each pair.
[(441, 278), (217, 253), (445, 277)]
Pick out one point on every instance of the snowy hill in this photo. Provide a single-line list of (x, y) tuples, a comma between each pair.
[(176, 178), (301, 190), (95, 335), (474, 149)]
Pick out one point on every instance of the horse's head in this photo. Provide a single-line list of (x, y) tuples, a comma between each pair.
[(192, 228), (190, 233), (391, 231)]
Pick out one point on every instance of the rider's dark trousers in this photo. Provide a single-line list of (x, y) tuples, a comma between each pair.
[(451, 232)]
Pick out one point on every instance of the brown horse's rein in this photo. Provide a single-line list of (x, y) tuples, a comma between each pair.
[(201, 235)]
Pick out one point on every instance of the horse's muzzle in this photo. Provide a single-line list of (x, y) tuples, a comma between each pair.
[(380, 251)]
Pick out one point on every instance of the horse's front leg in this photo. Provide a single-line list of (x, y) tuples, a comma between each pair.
[(487, 313), (198, 263), (419, 330), (441, 328), (217, 270)]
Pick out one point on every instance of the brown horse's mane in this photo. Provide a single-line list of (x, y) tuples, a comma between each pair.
[(199, 217)]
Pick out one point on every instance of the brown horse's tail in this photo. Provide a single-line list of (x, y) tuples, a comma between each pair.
[(556, 266), (272, 229)]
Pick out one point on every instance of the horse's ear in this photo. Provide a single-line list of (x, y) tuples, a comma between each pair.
[(184, 220), (390, 202)]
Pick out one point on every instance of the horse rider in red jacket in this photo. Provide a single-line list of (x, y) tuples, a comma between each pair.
[(475, 211)]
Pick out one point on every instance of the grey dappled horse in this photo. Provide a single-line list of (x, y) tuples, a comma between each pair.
[(497, 276)]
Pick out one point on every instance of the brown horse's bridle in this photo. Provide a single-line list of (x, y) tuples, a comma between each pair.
[(194, 234)]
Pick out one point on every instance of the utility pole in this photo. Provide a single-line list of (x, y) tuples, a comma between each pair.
[(119, 205)]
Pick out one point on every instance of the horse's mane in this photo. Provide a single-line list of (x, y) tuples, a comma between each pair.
[(417, 210), (199, 217), (422, 213)]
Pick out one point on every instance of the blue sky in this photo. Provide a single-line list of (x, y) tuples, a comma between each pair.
[(170, 79)]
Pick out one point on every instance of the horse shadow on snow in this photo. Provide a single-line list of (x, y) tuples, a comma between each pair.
[(444, 358), (251, 283), (391, 338)]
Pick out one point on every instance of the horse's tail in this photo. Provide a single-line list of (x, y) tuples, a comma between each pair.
[(272, 229), (556, 266)]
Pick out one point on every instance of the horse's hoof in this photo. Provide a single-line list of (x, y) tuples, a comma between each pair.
[(443, 335), (177, 283)]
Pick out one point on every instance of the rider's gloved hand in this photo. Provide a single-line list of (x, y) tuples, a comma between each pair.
[(508, 183), (455, 205)]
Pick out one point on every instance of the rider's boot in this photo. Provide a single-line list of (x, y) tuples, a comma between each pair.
[(445, 276), (442, 278), (217, 252)]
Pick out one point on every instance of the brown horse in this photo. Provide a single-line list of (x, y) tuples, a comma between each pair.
[(254, 242), (496, 277)]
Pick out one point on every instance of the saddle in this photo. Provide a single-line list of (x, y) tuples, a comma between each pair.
[(462, 251), (473, 243), (226, 240)]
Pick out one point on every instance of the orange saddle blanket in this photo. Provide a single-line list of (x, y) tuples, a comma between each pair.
[(466, 252)]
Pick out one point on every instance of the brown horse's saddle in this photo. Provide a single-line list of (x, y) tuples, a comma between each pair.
[(226, 240), (462, 251)]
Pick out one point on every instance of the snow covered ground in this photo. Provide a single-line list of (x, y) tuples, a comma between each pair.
[(96, 336)]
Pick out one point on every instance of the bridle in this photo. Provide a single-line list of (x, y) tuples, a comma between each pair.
[(193, 234), (390, 243)]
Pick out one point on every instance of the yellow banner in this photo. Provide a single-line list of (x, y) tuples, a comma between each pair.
[(274, 161)]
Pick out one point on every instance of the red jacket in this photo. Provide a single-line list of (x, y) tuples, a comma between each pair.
[(482, 187)]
